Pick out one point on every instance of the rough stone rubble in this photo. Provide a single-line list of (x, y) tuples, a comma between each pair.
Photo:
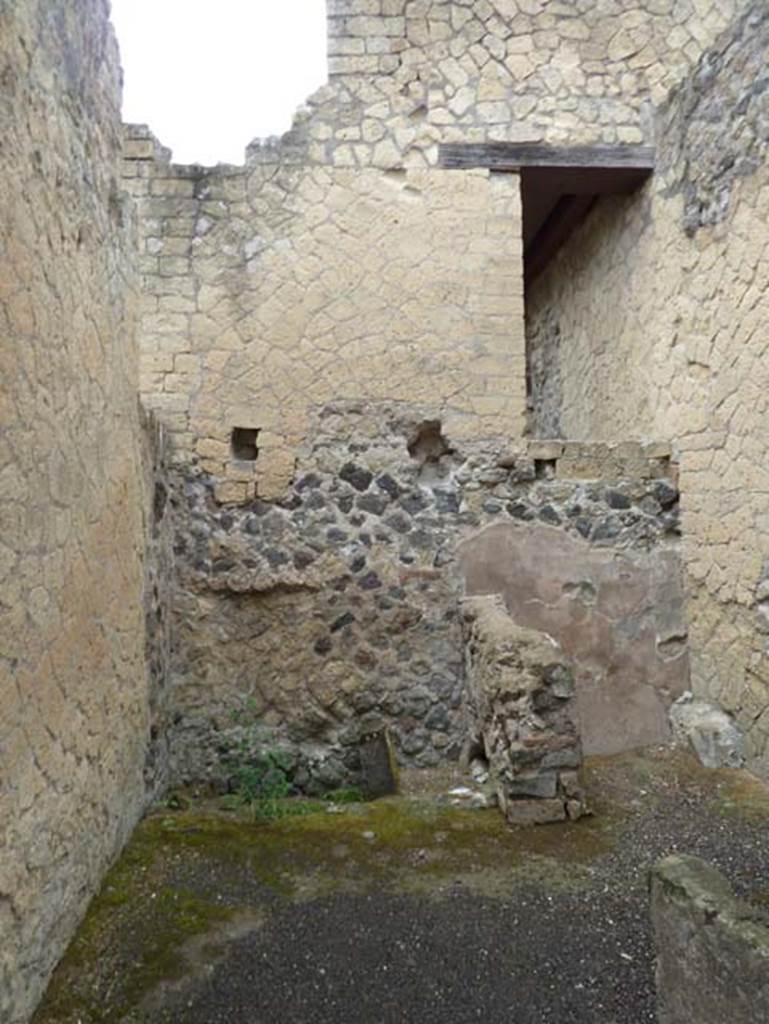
[(519, 702)]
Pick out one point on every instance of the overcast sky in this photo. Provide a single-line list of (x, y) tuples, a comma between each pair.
[(209, 77)]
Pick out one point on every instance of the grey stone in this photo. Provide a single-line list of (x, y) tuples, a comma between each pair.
[(712, 950), (438, 718), (584, 527), (615, 499), (356, 476), (373, 503), (570, 784), (370, 581), (560, 681), (447, 501), (323, 645), (308, 481), (315, 500), (548, 515), (712, 732), (564, 758), (607, 529), (519, 511), (276, 558), (303, 558), (492, 476), (428, 758), (386, 483), (398, 522), (532, 812), (344, 620), (413, 742), (523, 472), (415, 502)]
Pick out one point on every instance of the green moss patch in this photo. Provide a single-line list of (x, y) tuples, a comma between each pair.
[(189, 875), (740, 794)]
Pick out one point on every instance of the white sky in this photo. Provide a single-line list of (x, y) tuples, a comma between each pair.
[(208, 77)]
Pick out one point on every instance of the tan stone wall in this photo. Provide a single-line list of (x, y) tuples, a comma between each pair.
[(340, 263), (651, 323), (271, 292), (406, 74), (74, 721)]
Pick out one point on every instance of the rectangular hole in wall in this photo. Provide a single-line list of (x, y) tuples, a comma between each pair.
[(244, 443), (544, 469)]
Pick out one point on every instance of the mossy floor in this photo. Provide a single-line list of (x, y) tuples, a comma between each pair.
[(193, 883)]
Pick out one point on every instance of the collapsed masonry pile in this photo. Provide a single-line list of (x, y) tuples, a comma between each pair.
[(520, 707)]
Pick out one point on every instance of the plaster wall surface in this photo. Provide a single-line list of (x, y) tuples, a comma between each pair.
[(74, 716), (651, 322), (616, 614)]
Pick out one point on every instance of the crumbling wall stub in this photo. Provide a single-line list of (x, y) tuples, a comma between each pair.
[(518, 703), (651, 320), (336, 609), (74, 688), (712, 949)]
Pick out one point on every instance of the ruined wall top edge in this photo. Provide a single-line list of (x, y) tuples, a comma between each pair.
[(407, 75)]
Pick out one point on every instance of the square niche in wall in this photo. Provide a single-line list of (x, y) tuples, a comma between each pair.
[(243, 443)]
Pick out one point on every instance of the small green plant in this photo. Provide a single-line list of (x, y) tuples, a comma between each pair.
[(260, 774), (350, 795), (262, 780)]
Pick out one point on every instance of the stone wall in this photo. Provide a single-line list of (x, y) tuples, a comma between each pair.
[(650, 323), (336, 609), (340, 269), (157, 601), (712, 949), (614, 604), (74, 691), (327, 268), (406, 74), (272, 291)]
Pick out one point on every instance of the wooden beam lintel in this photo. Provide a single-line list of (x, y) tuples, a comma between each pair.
[(513, 156)]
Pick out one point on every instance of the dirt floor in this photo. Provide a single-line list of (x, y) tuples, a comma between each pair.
[(407, 909)]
